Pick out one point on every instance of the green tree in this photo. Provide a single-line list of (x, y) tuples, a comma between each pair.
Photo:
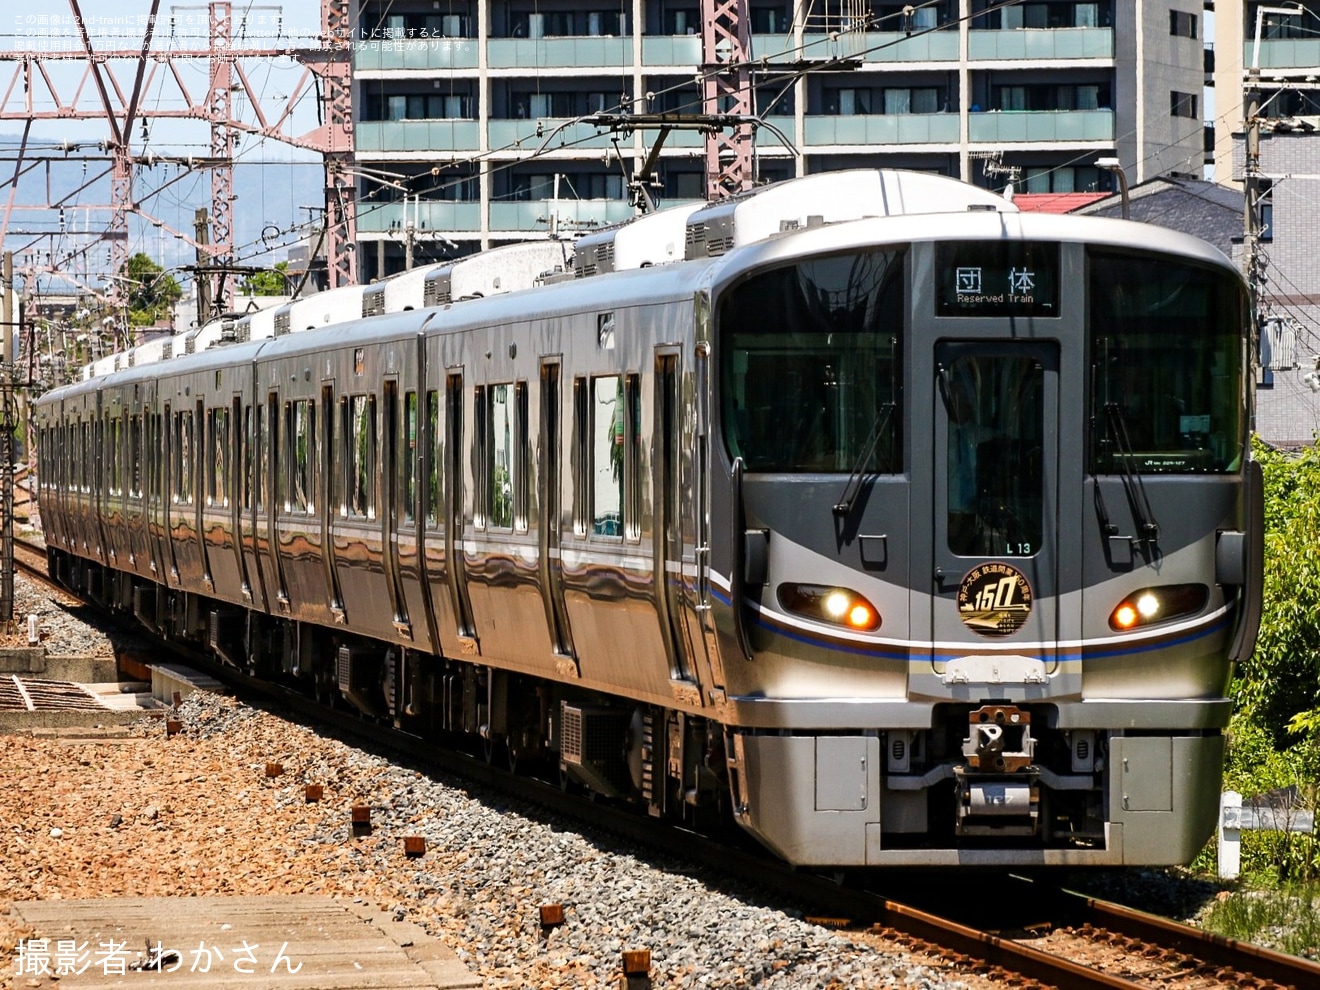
[(152, 292), (272, 282), (1279, 689)]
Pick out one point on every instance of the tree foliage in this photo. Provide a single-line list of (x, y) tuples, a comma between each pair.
[(1279, 688), (272, 282), (152, 292)]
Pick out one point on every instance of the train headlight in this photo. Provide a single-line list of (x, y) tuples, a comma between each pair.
[(1151, 605), (839, 606)]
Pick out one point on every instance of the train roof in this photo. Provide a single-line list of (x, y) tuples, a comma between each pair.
[(769, 234), (975, 224)]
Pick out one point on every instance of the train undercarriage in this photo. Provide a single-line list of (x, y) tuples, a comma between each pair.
[(986, 782), (667, 761)]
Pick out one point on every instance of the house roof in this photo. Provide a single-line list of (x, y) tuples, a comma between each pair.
[(1209, 211), (1055, 202)]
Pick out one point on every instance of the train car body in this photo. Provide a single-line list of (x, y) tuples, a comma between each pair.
[(923, 538)]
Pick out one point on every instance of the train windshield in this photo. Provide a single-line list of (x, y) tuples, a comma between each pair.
[(810, 365), (1166, 358)]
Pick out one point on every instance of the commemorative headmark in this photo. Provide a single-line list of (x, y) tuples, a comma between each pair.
[(994, 599)]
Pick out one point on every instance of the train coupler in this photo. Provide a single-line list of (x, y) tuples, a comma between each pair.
[(998, 790)]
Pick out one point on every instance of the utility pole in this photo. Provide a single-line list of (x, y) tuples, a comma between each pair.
[(726, 88), (1253, 267), (409, 231), (203, 281)]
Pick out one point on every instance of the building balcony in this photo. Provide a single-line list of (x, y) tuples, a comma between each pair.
[(442, 215), (422, 54), (681, 51), (1040, 44), (1045, 126), (1284, 53), (416, 135), (558, 53), (520, 135), (872, 46), (876, 129), (573, 214)]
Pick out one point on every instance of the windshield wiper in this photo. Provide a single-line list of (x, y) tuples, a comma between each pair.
[(1116, 429), (851, 489)]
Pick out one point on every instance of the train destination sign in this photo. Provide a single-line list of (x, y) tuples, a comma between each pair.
[(997, 278)]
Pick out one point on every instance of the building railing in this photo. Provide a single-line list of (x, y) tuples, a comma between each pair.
[(908, 128), (548, 53), (443, 215), (1004, 126), (417, 53), (1040, 44), (684, 51), (575, 215), (1284, 53), (417, 135)]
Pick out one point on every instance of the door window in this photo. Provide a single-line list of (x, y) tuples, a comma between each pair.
[(995, 451)]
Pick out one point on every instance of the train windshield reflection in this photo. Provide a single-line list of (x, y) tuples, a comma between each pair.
[(810, 358), (1167, 364)]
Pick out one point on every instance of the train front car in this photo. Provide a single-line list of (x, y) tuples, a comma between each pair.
[(985, 538)]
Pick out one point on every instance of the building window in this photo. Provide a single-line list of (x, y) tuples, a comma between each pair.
[(1184, 105), (1182, 24)]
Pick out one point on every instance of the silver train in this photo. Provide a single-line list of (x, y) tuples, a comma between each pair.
[(903, 527)]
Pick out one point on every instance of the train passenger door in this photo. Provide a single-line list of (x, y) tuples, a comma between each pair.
[(249, 464), (151, 488), (236, 481), (201, 452), (391, 478), (167, 489), (455, 569), (995, 450), (268, 496), (330, 488), (552, 567), (667, 498)]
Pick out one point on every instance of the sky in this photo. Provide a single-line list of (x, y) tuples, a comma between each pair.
[(273, 180)]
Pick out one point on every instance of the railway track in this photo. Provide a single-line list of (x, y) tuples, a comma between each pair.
[(1137, 951), (991, 931), (30, 558)]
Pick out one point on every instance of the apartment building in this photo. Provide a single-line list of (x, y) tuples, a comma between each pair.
[(469, 115)]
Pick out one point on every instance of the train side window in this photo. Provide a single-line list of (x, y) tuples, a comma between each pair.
[(112, 455), (287, 468), (272, 448), (217, 464), (183, 475), (521, 458), (499, 463), (580, 460), (454, 428), (221, 456), (302, 434), (632, 461), (248, 438), (135, 456), (480, 456), (85, 456), (261, 427), (359, 497), (607, 455), (209, 467), (433, 467), (409, 465)]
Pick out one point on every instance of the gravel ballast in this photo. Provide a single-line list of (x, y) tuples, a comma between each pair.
[(195, 814)]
